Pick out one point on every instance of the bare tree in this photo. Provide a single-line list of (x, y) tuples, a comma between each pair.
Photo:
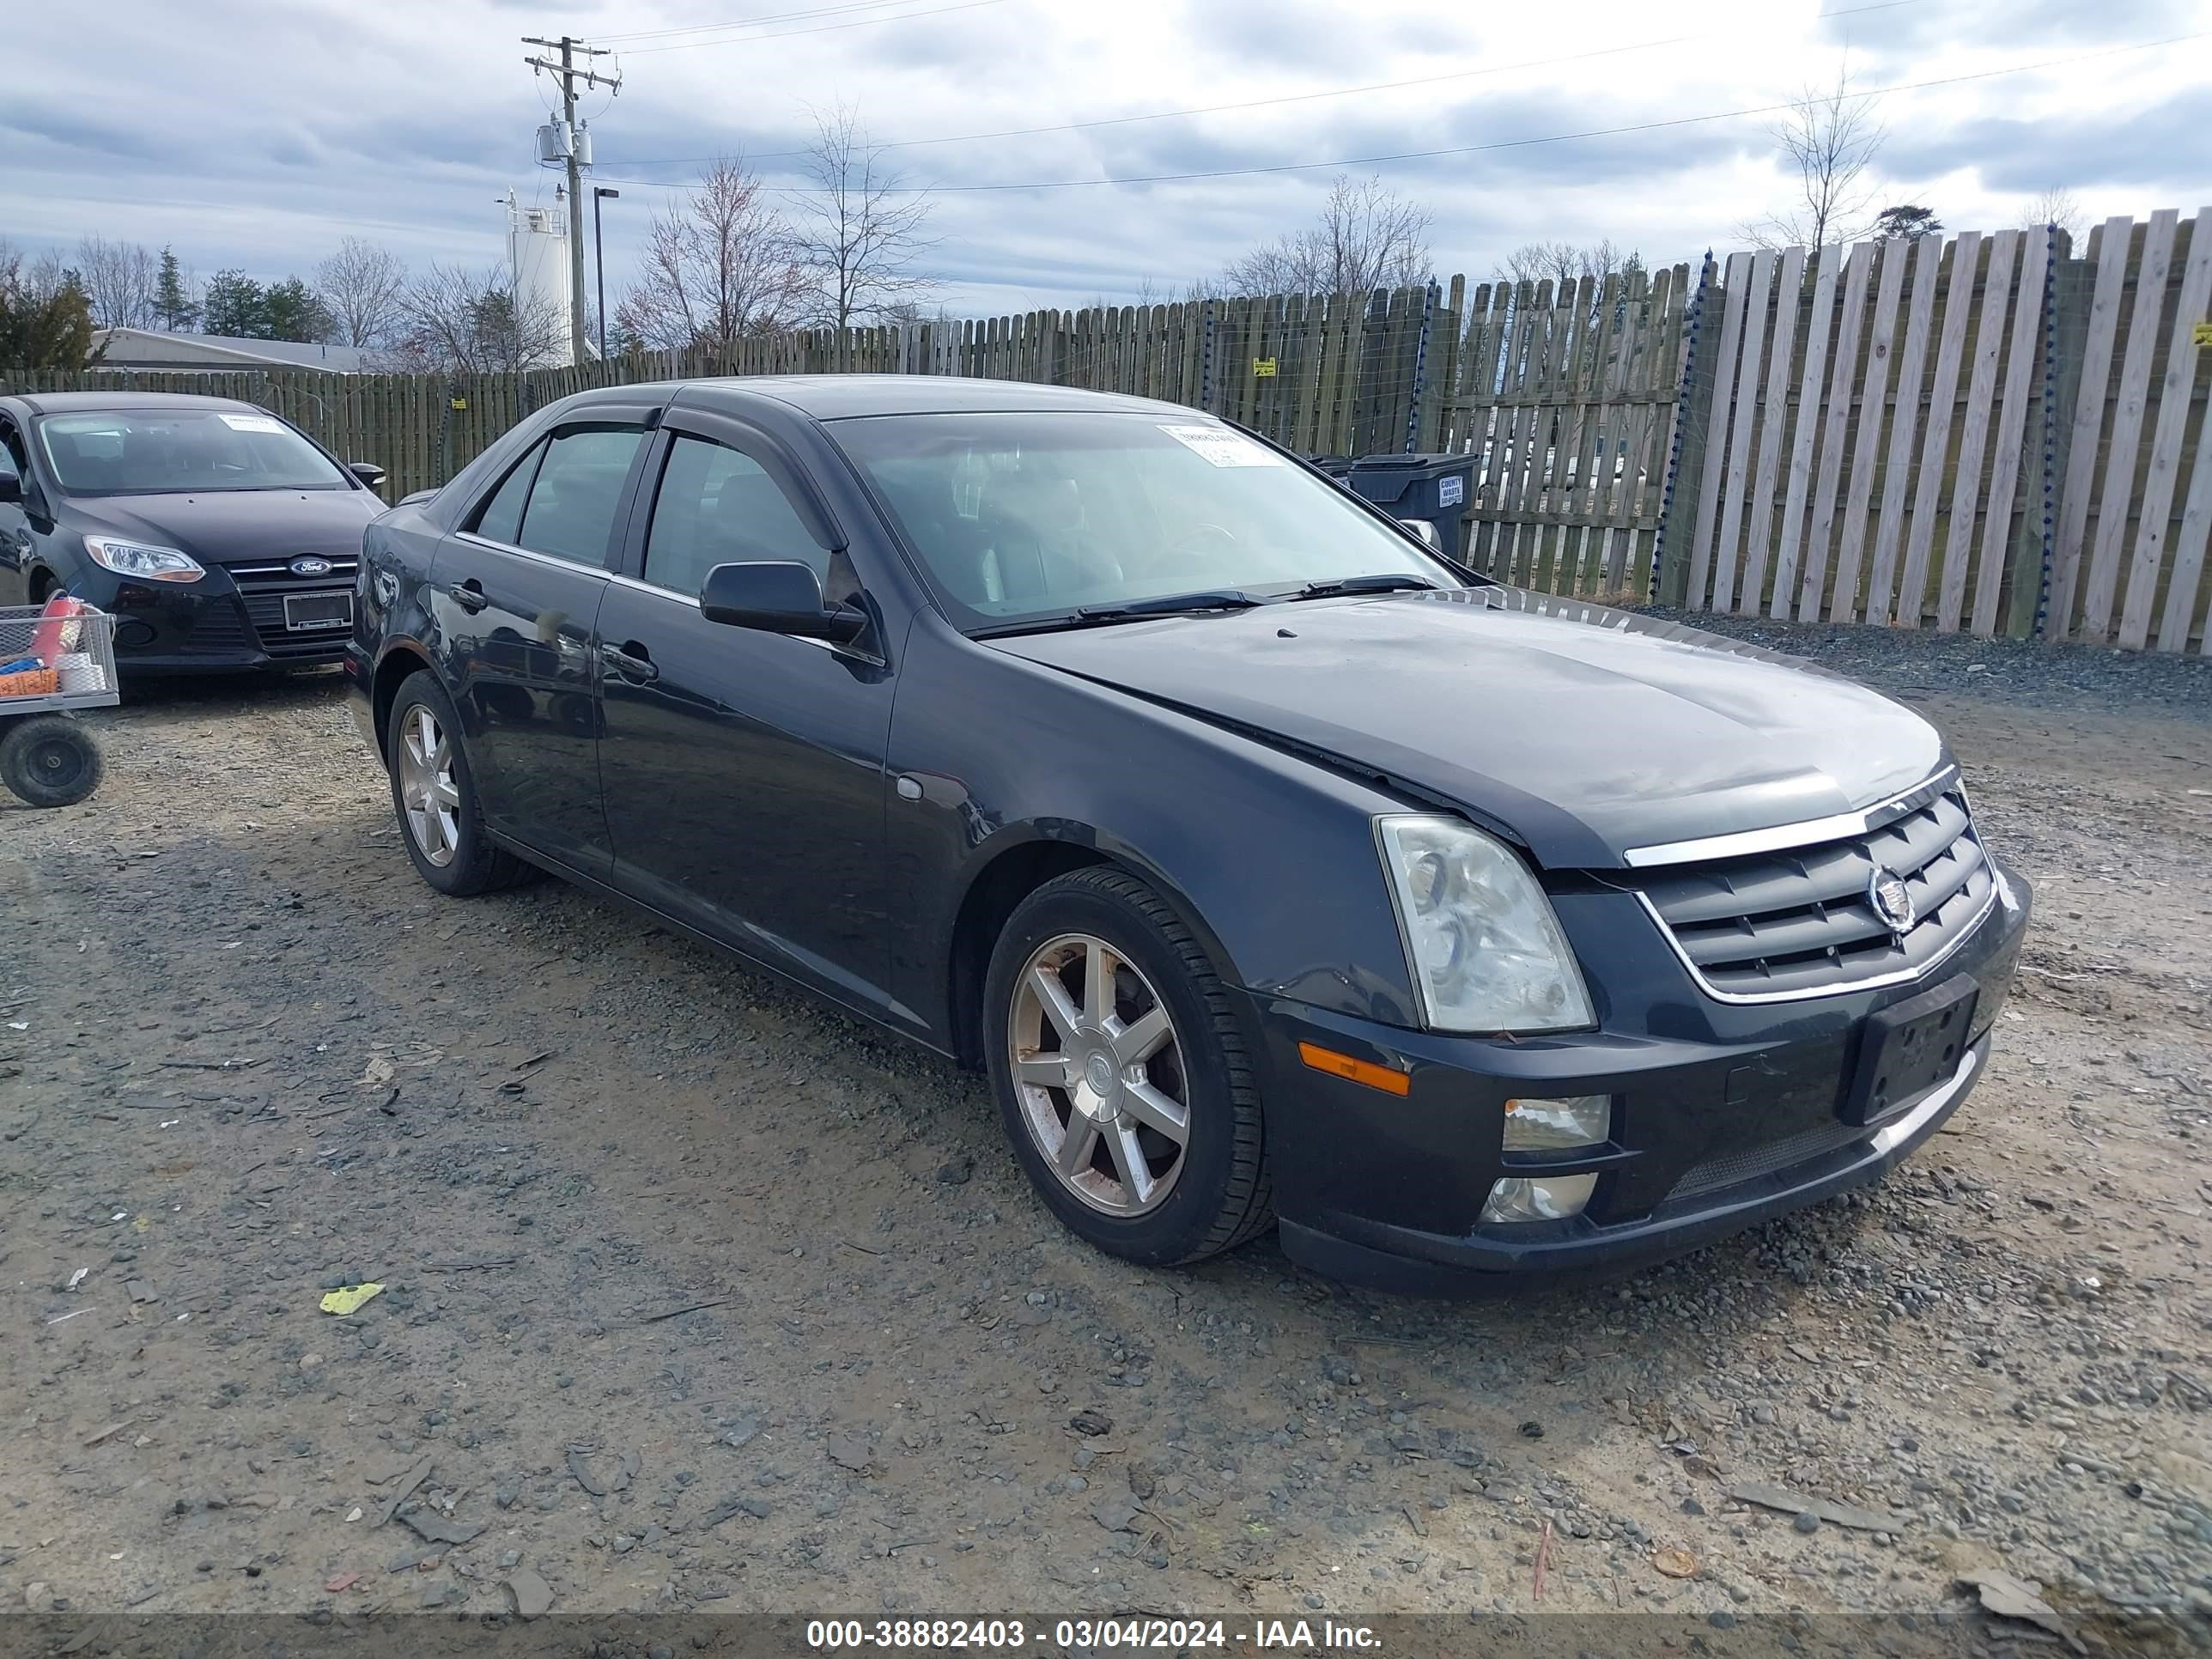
[(861, 234), (1369, 237), (119, 279), (720, 265), (2055, 206), (471, 322), (1829, 140), (364, 287), (1562, 262)]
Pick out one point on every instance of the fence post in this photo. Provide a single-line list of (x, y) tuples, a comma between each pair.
[(1685, 455), (1206, 365), (2067, 298), (1420, 369)]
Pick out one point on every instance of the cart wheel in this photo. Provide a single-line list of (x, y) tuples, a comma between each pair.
[(49, 760)]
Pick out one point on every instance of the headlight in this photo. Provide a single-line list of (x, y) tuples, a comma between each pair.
[(1487, 952), (155, 564)]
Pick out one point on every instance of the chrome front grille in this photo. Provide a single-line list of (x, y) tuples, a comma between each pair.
[(1801, 921)]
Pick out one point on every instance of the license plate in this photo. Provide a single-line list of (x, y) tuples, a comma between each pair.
[(1908, 1048), (312, 612)]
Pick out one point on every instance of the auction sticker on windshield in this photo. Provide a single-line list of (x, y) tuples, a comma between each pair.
[(251, 422), (1222, 447)]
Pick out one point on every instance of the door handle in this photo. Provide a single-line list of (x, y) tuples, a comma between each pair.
[(469, 595), (631, 660)]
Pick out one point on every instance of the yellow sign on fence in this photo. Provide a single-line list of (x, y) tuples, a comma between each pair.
[(2202, 334), (1263, 369)]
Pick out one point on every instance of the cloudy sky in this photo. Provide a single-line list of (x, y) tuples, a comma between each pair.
[(256, 135)]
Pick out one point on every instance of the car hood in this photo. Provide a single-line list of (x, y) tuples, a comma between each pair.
[(1585, 731), (238, 527)]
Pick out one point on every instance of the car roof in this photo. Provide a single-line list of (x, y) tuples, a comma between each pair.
[(63, 403), (847, 397)]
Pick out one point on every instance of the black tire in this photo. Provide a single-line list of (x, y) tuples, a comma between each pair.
[(50, 760), (1222, 1195), (477, 866)]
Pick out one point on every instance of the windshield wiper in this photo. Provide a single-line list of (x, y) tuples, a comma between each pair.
[(1171, 605), (1162, 604), (1389, 583)]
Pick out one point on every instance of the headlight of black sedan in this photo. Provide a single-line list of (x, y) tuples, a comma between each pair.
[(1483, 944)]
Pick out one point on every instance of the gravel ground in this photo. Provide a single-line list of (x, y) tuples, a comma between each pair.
[(698, 1296)]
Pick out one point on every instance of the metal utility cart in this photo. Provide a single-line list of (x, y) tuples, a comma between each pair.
[(52, 661)]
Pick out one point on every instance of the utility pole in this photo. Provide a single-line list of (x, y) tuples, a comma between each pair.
[(569, 71)]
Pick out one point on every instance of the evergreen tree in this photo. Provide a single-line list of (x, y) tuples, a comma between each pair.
[(290, 310), (173, 305), (234, 305), (51, 330)]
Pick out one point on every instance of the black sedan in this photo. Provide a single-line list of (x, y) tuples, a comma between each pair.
[(1274, 870), (219, 535)]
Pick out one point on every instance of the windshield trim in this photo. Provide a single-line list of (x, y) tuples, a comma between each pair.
[(1444, 573)]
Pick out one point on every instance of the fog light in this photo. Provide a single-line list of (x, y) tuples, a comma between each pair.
[(1548, 1197), (1556, 1125)]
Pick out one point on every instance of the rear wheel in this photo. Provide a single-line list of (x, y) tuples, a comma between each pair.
[(49, 760), (1121, 1074), (434, 795)]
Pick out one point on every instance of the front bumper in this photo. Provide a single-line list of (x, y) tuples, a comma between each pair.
[(1722, 1118), (214, 626)]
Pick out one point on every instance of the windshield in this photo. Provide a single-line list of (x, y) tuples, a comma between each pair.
[(1035, 517), (136, 451)]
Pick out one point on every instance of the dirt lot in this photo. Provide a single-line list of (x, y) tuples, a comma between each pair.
[(698, 1295)]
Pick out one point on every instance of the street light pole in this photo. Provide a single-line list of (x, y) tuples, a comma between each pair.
[(600, 193)]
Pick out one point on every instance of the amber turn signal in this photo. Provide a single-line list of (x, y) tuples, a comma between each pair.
[(1389, 1080)]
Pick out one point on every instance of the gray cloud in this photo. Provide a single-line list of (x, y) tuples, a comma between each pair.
[(403, 122)]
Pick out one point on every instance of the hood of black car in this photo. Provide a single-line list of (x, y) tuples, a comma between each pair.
[(1586, 731), (238, 526)]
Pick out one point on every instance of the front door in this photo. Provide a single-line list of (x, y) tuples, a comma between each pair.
[(517, 594), (742, 771)]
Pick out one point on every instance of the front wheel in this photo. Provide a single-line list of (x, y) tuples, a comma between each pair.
[(49, 760), (1121, 1074)]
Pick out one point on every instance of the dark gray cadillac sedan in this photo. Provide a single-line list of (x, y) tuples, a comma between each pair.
[(1276, 872)]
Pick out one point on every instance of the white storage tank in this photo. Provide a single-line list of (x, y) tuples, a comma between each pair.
[(537, 261)]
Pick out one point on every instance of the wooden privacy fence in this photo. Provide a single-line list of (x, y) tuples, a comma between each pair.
[(1986, 432), (1566, 396), (1983, 434)]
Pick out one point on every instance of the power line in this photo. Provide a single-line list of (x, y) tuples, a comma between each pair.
[(819, 28), (1265, 103), (1495, 144)]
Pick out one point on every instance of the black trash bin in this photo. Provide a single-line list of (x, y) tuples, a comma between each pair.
[(1433, 487)]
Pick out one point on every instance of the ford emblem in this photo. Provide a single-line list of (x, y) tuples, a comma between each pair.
[(311, 567)]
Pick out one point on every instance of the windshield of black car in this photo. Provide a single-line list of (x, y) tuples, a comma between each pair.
[(1035, 517), (143, 451)]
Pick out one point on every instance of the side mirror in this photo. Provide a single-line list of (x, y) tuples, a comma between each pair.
[(1424, 529), (777, 597), (368, 472), (12, 488)]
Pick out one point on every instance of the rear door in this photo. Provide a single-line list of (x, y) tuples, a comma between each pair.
[(744, 770), (516, 594)]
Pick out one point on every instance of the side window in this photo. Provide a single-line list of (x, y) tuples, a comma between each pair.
[(571, 514), (718, 506), (13, 455), (501, 518)]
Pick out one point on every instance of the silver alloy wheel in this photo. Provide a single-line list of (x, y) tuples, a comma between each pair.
[(427, 788), (1099, 1073)]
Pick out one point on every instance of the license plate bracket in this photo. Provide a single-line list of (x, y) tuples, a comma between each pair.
[(1908, 1048), (305, 613)]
